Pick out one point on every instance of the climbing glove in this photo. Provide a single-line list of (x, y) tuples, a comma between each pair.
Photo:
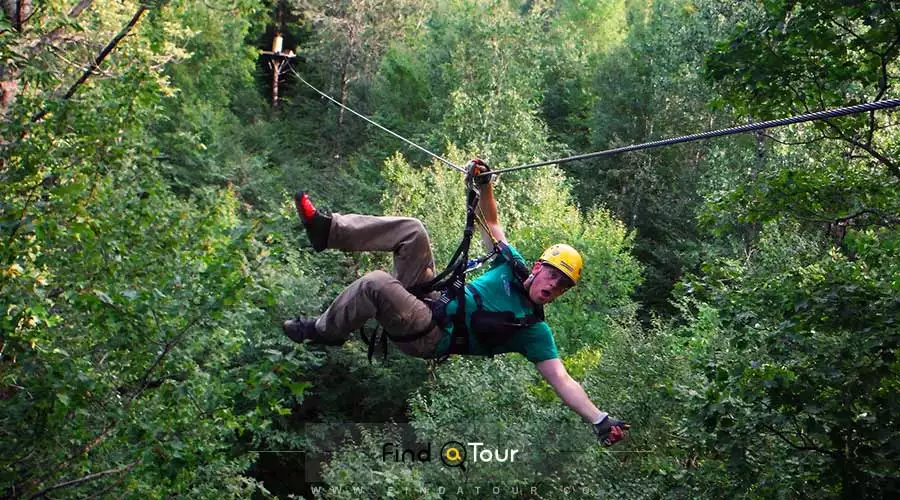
[(478, 166), (610, 431)]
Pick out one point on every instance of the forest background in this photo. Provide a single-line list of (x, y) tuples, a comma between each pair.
[(740, 300)]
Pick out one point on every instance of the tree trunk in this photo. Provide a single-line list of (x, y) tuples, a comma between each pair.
[(17, 11), (276, 70), (343, 98), (8, 91)]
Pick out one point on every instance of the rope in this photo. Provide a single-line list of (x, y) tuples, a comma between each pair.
[(818, 115), (398, 136)]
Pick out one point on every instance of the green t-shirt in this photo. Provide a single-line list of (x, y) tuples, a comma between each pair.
[(498, 293)]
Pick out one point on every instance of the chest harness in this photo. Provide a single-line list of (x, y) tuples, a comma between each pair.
[(491, 328)]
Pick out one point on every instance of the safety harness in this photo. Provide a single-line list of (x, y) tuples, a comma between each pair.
[(451, 282), (494, 328), (491, 328)]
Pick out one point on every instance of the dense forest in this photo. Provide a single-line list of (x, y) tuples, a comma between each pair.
[(740, 304)]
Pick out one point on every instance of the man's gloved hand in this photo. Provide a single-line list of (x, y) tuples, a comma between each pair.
[(478, 166), (610, 431)]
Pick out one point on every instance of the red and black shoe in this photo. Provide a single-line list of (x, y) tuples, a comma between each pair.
[(317, 224)]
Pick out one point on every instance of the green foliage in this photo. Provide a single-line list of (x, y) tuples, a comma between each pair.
[(646, 89), (577, 37), (803, 377), (814, 190), (811, 346), (124, 345), (823, 51), (493, 50), (559, 455), (790, 57), (195, 128), (473, 78), (138, 355), (150, 247)]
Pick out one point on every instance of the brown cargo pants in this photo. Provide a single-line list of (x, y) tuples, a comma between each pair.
[(381, 295)]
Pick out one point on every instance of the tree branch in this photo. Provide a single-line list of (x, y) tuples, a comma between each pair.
[(797, 143), (891, 166), (31, 196), (882, 89), (31, 49), (888, 125), (86, 448), (78, 9), (807, 216), (885, 217), (145, 379), (797, 446), (885, 75), (89, 477), (855, 35), (95, 64), (102, 493)]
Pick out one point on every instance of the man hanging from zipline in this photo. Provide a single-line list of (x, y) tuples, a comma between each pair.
[(502, 311)]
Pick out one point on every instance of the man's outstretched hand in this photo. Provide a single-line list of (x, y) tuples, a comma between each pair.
[(610, 431)]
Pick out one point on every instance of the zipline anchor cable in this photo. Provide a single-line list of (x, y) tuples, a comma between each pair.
[(750, 127), (818, 115), (398, 136)]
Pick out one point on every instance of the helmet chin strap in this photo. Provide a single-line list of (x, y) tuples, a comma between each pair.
[(528, 281)]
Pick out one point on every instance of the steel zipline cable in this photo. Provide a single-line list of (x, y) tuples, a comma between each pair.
[(818, 115), (750, 127), (398, 136)]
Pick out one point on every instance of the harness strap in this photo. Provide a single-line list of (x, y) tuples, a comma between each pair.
[(380, 335), (454, 288), (520, 271), (528, 320), (377, 335), (459, 343), (493, 328)]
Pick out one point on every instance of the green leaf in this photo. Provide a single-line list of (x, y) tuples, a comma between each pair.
[(298, 388)]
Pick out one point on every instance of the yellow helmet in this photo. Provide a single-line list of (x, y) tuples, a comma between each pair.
[(564, 258)]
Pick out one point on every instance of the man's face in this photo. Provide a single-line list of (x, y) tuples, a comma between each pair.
[(547, 283)]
